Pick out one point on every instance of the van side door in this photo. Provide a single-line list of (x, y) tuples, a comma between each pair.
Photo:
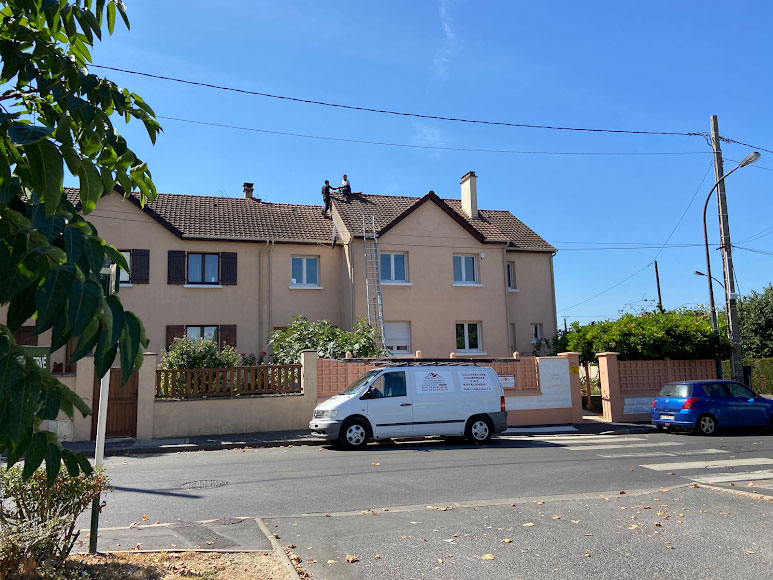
[(390, 407), (437, 406)]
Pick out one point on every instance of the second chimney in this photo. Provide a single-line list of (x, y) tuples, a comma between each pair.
[(469, 194), (248, 189)]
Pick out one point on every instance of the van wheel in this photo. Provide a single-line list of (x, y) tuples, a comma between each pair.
[(479, 429), (354, 434)]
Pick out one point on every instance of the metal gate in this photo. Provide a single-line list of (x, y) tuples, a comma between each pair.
[(121, 406)]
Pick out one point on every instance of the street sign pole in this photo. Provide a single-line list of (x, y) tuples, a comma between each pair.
[(99, 456)]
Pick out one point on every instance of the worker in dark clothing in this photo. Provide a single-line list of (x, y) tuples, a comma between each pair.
[(326, 196)]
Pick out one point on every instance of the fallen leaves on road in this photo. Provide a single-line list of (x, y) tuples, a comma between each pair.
[(622, 493), (375, 464), (332, 561), (440, 509), (351, 559), (556, 517), (575, 521), (694, 485), (507, 541), (633, 527), (528, 525), (144, 517), (750, 552), (539, 502), (750, 484), (488, 557)]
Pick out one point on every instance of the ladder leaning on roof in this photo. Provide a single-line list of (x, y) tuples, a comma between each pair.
[(373, 278)]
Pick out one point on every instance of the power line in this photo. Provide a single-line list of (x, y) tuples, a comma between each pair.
[(434, 147), (608, 289), (397, 113), (727, 140), (764, 252)]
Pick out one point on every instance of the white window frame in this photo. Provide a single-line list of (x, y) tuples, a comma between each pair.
[(125, 278), (468, 350), (304, 262), (398, 352), (392, 267), (510, 280), (536, 332), (476, 270)]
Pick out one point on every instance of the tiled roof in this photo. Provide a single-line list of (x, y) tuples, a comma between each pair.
[(239, 218), (489, 226), (235, 218)]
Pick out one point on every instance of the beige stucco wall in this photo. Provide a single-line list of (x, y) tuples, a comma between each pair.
[(534, 300), (434, 305)]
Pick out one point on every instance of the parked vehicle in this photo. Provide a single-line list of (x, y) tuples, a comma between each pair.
[(705, 406), (414, 401)]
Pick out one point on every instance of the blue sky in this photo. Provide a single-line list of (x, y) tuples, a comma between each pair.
[(655, 66)]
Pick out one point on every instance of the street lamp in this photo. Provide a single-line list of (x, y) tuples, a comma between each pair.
[(748, 160), (697, 273)]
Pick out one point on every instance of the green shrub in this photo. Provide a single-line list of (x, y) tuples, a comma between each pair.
[(186, 353), (300, 335), (762, 373), (37, 522)]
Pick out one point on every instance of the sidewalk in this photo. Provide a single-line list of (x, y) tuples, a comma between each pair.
[(128, 446)]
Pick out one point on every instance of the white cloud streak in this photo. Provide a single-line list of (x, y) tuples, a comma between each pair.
[(450, 46)]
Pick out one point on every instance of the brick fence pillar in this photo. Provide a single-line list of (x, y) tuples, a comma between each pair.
[(146, 395), (611, 398), (309, 374), (574, 380)]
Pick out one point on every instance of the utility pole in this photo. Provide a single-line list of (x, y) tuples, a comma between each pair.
[(731, 298), (657, 280)]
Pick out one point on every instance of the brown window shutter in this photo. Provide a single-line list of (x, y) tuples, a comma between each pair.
[(140, 267), (228, 268), (173, 332), (226, 334), (25, 335), (69, 348), (176, 271)]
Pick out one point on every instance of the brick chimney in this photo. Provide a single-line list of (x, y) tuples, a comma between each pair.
[(469, 194), (248, 189)]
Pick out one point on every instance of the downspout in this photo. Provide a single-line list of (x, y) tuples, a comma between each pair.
[(271, 249), (261, 290), (507, 302), (553, 291)]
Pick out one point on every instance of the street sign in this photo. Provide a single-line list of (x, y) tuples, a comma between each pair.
[(41, 354)]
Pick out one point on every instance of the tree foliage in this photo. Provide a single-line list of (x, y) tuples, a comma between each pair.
[(55, 116), (677, 334), (300, 335), (202, 353), (755, 315)]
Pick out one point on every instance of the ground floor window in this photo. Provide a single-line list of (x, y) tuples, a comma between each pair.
[(397, 337), (468, 337)]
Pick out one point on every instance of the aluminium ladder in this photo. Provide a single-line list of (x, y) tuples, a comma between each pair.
[(373, 279)]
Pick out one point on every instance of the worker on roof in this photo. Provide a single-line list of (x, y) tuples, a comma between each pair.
[(326, 196), (345, 187)]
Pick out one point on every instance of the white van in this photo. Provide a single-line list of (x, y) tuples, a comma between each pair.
[(414, 401)]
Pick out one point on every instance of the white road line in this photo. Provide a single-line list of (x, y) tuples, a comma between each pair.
[(621, 446), (739, 476), (700, 452), (708, 464), (589, 439), (663, 453)]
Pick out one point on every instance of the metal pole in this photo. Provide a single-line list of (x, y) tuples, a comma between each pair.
[(712, 308), (736, 357), (99, 456), (657, 280)]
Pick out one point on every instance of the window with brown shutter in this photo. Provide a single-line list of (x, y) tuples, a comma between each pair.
[(228, 268), (140, 267), (176, 271), (25, 335), (172, 332), (69, 367), (226, 335)]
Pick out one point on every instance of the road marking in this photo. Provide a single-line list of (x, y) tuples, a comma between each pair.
[(708, 464), (525, 430), (621, 446), (578, 439), (738, 476), (663, 453)]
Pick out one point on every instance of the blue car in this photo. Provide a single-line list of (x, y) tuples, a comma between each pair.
[(705, 406)]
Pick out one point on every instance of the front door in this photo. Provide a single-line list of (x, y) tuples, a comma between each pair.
[(121, 406), (390, 407)]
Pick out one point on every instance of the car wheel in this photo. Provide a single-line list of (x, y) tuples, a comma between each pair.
[(479, 429), (354, 434), (706, 425)]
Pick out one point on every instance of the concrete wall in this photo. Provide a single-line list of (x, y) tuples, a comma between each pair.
[(628, 387), (239, 414)]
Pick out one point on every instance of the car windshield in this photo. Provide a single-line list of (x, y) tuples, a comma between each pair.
[(355, 386), (678, 391)]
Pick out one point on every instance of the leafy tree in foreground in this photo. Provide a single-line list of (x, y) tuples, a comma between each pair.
[(302, 335), (678, 334), (56, 116), (755, 313)]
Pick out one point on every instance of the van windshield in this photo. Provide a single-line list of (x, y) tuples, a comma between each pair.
[(355, 386)]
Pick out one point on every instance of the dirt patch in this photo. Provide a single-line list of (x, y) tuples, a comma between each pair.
[(170, 565)]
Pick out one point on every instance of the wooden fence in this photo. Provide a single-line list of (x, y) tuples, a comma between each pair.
[(228, 382)]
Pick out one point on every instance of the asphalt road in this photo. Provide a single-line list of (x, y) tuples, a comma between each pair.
[(439, 507)]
